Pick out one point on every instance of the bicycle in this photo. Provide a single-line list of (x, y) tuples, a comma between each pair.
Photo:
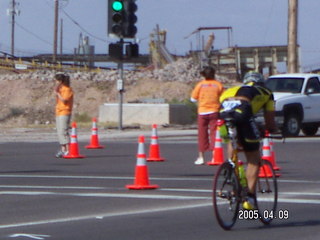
[(229, 193)]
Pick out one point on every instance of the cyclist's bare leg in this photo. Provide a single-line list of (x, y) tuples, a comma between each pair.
[(252, 172), (229, 150)]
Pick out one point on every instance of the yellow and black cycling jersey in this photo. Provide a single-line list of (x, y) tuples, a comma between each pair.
[(258, 96)]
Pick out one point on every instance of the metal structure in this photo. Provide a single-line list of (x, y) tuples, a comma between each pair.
[(85, 50), (234, 62), (199, 30), (159, 53)]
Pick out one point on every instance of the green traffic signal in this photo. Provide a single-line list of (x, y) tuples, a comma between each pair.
[(117, 6)]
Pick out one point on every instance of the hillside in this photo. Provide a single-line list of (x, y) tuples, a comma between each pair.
[(28, 99)]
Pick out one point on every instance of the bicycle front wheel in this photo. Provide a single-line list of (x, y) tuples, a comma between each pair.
[(226, 196), (267, 192)]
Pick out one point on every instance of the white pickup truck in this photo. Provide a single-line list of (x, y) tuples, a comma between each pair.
[(297, 102)]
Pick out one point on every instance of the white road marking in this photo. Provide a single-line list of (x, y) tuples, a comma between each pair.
[(105, 215), (297, 181), (184, 190), (162, 196), (51, 187), (101, 177), (207, 203), (114, 195), (33, 236), (284, 197), (301, 193), (133, 212), (62, 176), (303, 201), (130, 178)]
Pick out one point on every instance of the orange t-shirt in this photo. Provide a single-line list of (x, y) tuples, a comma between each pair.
[(207, 93), (64, 108)]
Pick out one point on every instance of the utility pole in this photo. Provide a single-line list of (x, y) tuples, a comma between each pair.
[(12, 11), (55, 30), (13, 14), (292, 36), (61, 36)]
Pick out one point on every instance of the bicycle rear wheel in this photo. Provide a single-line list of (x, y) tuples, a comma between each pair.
[(267, 192), (226, 196)]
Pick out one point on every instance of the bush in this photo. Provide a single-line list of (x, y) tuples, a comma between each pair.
[(82, 118), (193, 106)]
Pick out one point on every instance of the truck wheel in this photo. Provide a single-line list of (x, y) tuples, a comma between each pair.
[(310, 129), (291, 127)]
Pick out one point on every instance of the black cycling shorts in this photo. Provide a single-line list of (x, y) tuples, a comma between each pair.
[(247, 129)]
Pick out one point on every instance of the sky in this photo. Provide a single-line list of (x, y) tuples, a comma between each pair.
[(253, 22)]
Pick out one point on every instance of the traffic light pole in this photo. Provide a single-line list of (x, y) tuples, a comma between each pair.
[(120, 87), (121, 24)]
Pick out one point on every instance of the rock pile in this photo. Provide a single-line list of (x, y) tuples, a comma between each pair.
[(182, 70)]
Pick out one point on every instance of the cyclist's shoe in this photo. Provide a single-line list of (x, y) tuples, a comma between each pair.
[(249, 202), (199, 161)]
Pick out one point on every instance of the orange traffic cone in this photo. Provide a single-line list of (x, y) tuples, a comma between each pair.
[(273, 157), (265, 172), (141, 173), (73, 145), (217, 158), (154, 150), (266, 152), (94, 144)]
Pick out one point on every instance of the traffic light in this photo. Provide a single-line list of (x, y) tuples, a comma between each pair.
[(116, 17), (132, 50), (116, 50), (122, 18), (129, 27)]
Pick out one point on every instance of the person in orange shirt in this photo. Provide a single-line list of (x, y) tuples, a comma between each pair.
[(64, 104), (207, 93)]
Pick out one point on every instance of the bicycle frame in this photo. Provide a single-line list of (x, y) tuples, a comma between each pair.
[(232, 134)]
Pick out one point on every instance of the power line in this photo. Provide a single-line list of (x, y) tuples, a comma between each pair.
[(77, 24), (82, 28), (35, 35)]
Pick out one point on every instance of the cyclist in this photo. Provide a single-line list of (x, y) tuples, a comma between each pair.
[(242, 103)]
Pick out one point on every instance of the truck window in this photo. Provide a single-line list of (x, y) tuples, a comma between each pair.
[(313, 86), (290, 85)]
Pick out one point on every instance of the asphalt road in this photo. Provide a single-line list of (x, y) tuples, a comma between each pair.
[(42, 197)]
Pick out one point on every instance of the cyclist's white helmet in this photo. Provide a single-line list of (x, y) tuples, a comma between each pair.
[(253, 77)]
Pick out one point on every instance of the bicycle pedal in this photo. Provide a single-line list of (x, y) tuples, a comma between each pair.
[(222, 195)]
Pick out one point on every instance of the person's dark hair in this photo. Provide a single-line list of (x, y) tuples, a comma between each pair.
[(208, 72), (66, 80), (63, 78), (59, 77)]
